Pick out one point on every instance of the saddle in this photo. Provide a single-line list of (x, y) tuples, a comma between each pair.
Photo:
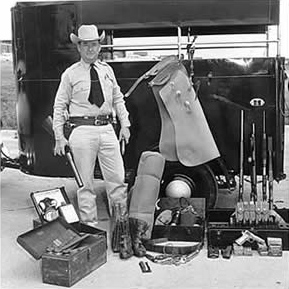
[(185, 133), (152, 72)]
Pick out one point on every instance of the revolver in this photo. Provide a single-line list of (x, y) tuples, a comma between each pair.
[(249, 236)]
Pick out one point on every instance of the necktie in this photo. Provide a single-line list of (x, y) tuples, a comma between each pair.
[(96, 94)]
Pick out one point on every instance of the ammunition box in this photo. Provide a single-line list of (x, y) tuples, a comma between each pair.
[(262, 250), (238, 250), (274, 247), (248, 251)]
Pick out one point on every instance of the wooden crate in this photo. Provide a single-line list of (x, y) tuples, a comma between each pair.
[(66, 269)]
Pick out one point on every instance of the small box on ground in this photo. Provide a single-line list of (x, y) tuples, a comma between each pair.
[(190, 224), (274, 246)]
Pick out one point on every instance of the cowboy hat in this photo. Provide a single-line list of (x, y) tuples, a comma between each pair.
[(87, 33)]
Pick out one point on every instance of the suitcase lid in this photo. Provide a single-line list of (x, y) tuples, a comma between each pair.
[(52, 203), (56, 235)]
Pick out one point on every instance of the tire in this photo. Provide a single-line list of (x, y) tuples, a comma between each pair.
[(201, 178)]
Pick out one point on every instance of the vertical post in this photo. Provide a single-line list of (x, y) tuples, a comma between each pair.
[(188, 45), (111, 42), (179, 42), (267, 42), (278, 40)]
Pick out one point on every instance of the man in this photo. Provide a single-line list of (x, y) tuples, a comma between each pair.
[(90, 103)]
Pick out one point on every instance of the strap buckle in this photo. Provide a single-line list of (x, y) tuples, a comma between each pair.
[(98, 122)]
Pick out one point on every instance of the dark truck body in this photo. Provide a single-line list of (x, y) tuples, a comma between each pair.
[(42, 50)]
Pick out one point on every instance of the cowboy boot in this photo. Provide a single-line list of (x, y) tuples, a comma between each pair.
[(121, 241), (115, 228), (137, 231), (125, 249)]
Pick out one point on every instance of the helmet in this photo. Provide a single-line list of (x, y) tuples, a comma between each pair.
[(179, 187)]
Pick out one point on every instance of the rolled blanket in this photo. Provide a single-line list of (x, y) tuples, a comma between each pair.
[(145, 191)]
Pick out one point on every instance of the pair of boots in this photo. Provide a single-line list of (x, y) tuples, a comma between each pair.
[(127, 234)]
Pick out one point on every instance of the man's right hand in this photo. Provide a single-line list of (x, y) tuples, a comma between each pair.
[(59, 148)]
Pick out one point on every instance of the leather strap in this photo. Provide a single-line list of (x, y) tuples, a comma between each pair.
[(152, 72), (164, 246), (91, 120)]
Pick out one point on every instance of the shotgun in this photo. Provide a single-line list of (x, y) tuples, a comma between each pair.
[(264, 159), (241, 177), (240, 205), (270, 171), (253, 196)]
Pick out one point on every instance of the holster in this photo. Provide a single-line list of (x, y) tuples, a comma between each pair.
[(68, 128)]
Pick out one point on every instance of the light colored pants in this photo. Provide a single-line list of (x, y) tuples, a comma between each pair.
[(87, 143)]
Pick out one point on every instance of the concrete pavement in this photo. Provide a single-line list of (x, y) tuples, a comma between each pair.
[(20, 270)]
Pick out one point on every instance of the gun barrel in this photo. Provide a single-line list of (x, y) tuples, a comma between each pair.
[(264, 159), (253, 195), (69, 157), (270, 171), (241, 177)]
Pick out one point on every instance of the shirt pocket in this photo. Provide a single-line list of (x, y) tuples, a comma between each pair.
[(80, 88), (108, 85)]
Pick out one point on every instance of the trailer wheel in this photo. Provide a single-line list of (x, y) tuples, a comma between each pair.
[(200, 181)]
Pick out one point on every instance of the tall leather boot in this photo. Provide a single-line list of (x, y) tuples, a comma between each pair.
[(121, 240), (115, 228), (137, 231)]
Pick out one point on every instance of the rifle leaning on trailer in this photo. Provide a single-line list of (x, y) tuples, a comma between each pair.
[(270, 171), (263, 205), (264, 159), (252, 160), (250, 208), (240, 203)]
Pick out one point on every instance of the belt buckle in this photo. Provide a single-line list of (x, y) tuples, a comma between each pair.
[(97, 122)]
